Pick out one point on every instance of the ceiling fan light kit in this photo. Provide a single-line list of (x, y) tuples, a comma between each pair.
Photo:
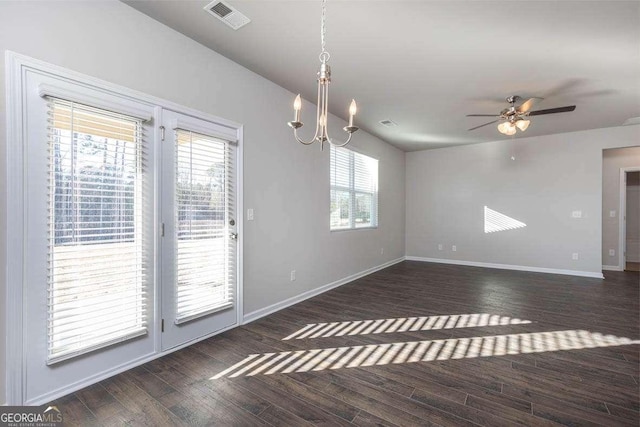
[(324, 78), (518, 117)]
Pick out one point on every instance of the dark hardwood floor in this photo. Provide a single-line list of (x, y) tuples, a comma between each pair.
[(414, 344)]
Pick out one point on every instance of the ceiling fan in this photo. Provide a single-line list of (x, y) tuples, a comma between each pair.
[(517, 117)]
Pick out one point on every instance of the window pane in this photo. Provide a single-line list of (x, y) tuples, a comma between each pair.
[(340, 161), (363, 217), (94, 225), (340, 209), (354, 190), (366, 173)]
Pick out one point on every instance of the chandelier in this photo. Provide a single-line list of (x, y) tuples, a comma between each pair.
[(324, 78)]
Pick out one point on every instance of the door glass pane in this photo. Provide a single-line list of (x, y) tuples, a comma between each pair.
[(96, 272), (201, 226)]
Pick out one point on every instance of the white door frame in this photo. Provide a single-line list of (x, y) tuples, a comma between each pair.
[(622, 216), (16, 67)]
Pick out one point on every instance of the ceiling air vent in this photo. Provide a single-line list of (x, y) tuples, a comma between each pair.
[(388, 123), (227, 14)]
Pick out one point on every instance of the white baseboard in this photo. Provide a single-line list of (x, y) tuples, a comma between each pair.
[(612, 268), (508, 267), (255, 315)]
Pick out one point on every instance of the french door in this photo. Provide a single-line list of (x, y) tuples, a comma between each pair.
[(129, 241), (199, 242)]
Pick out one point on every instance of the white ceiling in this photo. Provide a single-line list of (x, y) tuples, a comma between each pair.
[(426, 64)]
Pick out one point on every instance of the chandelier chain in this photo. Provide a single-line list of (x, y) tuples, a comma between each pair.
[(323, 29)]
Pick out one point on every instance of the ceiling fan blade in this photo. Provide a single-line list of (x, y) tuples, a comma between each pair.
[(553, 110), (482, 115), (486, 124), (526, 105)]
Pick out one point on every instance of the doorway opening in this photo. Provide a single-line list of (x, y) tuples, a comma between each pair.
[(631, 220), (620, 209)]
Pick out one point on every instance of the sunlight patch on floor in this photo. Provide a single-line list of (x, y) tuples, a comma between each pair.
[(419, 351), (403, 324)]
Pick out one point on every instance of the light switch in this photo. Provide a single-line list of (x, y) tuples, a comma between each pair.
[(249, 214), (612, 214), (576, 214)]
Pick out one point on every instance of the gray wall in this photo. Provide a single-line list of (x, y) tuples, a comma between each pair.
[(612, 161), (550, 178), (286, 183)]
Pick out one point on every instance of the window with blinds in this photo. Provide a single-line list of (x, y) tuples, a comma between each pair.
[(354, 190), (205, 257), (96, 272)]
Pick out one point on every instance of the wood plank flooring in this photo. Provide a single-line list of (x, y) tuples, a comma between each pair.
[(414, 344)]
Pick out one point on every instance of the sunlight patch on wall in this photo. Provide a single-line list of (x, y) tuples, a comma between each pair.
[(495, 221), (419, 351), (403, 324)]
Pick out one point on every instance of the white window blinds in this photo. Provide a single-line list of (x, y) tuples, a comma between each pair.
[(97, 257), (354, 190), (205, 257)]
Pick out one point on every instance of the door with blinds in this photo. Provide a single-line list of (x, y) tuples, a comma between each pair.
[(199, 243), (89, 273)]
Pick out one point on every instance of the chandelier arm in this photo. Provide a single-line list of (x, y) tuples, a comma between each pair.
[(340, 144), (295, 134)]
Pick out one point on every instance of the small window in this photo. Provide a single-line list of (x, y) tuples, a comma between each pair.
[(354, 190)]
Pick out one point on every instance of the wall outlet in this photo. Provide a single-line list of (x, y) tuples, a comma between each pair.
[(440, 247), (574, 256), (612, 252), (576, 214), (381, 251), (612, 214), (293, 275), (249, 214), (454, 248)]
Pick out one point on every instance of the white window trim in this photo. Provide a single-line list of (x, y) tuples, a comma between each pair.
[(374, 202), (16, 66)]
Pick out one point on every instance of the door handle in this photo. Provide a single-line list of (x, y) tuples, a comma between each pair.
[(234, 236)]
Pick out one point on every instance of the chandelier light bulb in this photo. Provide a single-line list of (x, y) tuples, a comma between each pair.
[(511, 129), (297, 106), (353, 109)]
